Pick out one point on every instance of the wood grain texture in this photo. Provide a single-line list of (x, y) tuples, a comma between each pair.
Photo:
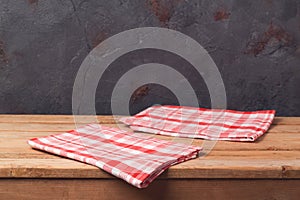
[(107, 119), (61, 119), (90, 189), (275, 155)]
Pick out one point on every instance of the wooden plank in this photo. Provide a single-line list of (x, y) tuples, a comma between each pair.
[(267, 143), (49, 168), (204, 167), (59, 127), (27, 134), (286, 121), (13, 153), (91, 189), (46, 127), (278, 142), (107, 119), (61, 119)]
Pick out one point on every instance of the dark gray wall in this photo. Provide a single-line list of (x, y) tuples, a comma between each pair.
[(255, 44)]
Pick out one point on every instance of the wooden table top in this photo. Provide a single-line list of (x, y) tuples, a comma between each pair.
[(274, 156)]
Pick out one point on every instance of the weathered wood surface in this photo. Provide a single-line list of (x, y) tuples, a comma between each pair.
[(234, 170), (275, 155), (162, 189)]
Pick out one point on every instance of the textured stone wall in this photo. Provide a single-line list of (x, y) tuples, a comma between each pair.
[(255, 44)]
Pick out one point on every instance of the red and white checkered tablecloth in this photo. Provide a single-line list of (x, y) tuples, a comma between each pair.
[(211, 124), (132, 157)]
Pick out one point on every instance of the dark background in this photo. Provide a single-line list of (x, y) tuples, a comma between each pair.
[(255, 44)]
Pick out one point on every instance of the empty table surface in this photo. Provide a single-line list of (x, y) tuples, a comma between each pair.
[(268, 168)]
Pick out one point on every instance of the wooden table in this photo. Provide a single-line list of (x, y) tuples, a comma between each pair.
[(266, 169)]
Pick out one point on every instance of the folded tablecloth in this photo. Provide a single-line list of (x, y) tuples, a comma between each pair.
[(132, 157), (212, 124)]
